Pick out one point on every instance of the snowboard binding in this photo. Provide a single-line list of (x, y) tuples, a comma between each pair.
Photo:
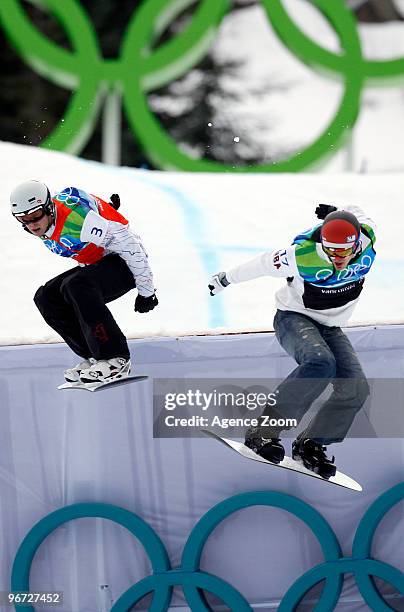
[(270, 449), (313, 456)]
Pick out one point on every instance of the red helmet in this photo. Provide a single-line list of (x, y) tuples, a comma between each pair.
[(340, 230)]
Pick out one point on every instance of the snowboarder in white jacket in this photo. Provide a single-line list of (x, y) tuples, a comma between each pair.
[(325, 268), (111, 261)]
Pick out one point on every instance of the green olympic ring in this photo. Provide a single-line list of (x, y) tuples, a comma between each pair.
[(141, 68), (193, 580)]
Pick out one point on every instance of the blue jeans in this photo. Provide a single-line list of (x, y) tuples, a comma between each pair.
[(324, 355)]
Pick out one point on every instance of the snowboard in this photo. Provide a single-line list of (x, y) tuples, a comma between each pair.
[(98, 386), (288, 463)]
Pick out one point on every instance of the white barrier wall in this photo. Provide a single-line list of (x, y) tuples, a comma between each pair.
[(58, 448)]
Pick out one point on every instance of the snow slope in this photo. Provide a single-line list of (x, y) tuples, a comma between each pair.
[(194, 225)]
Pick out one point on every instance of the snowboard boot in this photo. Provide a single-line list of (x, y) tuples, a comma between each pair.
[(106, 370), (270, 449), (313, 456), (72, 375)]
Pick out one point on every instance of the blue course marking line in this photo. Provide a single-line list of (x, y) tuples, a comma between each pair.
[(198, 233)]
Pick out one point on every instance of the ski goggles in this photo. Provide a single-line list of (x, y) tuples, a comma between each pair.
[(339, 253), (29, 217)]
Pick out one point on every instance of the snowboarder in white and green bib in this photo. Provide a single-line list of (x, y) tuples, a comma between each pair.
[(325, 268)]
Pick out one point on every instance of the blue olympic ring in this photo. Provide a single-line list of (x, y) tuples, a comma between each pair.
[(193, 580)]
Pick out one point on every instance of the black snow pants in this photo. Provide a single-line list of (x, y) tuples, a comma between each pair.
[(74, 305)]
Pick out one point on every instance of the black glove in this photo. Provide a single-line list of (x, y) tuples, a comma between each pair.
[(323, 210), (115, 201), (144, 304)]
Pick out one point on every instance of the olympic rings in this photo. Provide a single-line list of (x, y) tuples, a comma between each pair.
[(167, 154), (78, 70), (133, 523), (363, 540), (359, 567), (319, 526), (141, 69), (192, 579)]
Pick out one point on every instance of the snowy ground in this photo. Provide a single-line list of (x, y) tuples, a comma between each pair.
[(194, 225)]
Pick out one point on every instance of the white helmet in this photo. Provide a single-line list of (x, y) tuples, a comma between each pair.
[(29, 197)]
